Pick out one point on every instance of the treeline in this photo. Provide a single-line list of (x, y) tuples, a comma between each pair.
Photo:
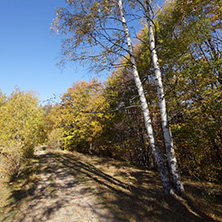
[(105, 118)]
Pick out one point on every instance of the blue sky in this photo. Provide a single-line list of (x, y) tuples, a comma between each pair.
[(28, 49)]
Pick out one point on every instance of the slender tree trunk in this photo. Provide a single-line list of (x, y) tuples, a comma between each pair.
[(175, 173), (153, 143)]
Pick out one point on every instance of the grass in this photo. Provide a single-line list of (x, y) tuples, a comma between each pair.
[(14, 193), (130, 193)]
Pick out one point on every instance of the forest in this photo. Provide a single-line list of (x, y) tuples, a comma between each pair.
[(160, 107)]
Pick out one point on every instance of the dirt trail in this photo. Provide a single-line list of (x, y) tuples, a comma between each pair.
[(59, 196), (69, 186)]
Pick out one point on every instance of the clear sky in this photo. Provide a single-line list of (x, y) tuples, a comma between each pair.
[(28, 49)]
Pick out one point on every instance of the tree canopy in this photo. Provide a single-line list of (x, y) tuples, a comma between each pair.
[(22, 127), (189, 48)]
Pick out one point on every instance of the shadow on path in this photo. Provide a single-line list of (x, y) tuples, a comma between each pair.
[(71, 183)]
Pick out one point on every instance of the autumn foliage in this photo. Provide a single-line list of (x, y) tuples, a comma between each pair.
[(22, 127), (105, 118)]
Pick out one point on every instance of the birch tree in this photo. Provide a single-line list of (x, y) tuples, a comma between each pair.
[(172, 161), (191, 32), (144, 106), (93, 27)]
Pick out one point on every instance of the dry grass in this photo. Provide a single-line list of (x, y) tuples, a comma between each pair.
[(129, 193), (11, 160), (12, 193)]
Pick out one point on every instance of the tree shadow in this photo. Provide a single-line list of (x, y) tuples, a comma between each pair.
[(139, 198)]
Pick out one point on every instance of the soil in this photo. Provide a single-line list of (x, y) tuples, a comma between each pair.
[(69, 186), (58, 196)]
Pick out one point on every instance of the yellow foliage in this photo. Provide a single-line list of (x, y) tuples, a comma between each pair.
[(11, 159), (21, 128)]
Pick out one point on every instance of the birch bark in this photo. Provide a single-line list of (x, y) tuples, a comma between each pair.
[(172, 161), (144, 106)]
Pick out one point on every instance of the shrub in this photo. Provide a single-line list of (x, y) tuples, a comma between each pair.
[(22, 127), (12, 160), (54, 138)]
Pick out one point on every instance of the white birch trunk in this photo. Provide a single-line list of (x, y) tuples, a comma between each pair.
[(153, 143), (172, 161)]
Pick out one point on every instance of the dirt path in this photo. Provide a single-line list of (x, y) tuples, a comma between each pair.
[(59, 196), (69, 186)]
